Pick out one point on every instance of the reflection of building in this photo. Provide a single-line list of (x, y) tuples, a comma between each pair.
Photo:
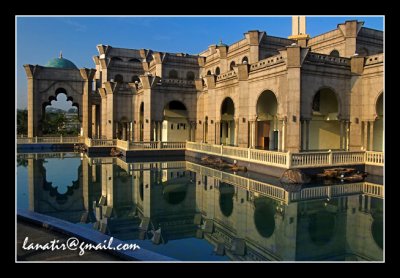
[(300, 93), (338, 222)]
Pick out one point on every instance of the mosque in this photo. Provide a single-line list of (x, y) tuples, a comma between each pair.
[(292, 94)]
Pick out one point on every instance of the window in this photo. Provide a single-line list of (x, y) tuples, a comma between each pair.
[(245, 60), (190, 75), (232, 65), (172, 126), (173, 74), (209, 72), (334, 53), (217, 71)]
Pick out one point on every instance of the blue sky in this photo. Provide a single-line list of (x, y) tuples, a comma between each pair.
[(40, 39)]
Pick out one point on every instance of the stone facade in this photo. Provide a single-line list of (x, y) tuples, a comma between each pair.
[(263, 92)]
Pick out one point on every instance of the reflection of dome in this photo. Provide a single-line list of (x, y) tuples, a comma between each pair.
[(321, 227), (60, 63), (175, 193), (226, 198), (264, 216)]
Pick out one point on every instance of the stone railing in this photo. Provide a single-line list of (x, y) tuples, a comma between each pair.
[(278, 159), (228, 75), (374, 158), (267, 62), (289, 160), (36, 156), (50, 140), (123, 144), (374, 190), (157, 145), (374, 59), (177, 82), (101, 142), (322, 58)]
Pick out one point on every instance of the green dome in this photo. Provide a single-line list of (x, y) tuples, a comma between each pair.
[(61, 63), (222, 44)]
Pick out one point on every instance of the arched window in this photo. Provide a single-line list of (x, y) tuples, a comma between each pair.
[(217, 71), (135, 78), (173, 74), (245, 60), (334, 53), (363, 52), (209, 72), (190, 75), (118, 78), (232, 65)]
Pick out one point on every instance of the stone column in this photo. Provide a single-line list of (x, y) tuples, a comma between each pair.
[(283, 135), (218, 133), (87, 76), (123, 131), (34, 107), (223, 133), (94, 122), (280, 125), (252, 133), (342, 134), (307, 134), (302, 141), (365, 141), (236, 132), (371, 135), (85, 183)]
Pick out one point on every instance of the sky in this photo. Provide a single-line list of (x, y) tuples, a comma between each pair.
[(39, 39)]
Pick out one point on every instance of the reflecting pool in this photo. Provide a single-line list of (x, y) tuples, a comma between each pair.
[(191, 212)]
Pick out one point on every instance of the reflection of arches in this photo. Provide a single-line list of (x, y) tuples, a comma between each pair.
[(174, 193), (334, 53), (134, 60), (226, 193), (141, 186), (141, 121), (135, 78), (324, 128), (227, 128), (264, 216), (363, 52), (175, 122), (267, 121), (321, 227), (377, 223), (118, 78)]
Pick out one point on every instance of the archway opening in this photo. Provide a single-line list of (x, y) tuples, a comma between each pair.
[(321, 227), (175, 186), (226, 193), (334, 53), (217, 71), (232, 64), (267, 128), (60, 115), (324, 129), (227, 127), (264, 216), (175, 126), (141, 121), (378, 143), (245, 60)]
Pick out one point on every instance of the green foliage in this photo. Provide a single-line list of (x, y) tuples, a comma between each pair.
[(22, 121)]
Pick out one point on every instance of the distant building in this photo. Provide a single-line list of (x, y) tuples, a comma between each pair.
[(267, 92)]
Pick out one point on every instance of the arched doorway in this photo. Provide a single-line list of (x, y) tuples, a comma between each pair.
[(227, 128), (226, 194), (141, 121), (324, 127), (264, 216), (267, 121), (123, 129), (175, 126), (60, 115), (378, 141)]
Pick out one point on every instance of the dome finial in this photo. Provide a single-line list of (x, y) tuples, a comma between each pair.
[(220, 41), (61, 54)]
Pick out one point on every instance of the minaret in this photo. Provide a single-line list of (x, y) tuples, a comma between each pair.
[(299, 30)]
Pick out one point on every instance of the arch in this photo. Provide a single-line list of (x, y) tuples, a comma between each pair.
[(363, 51), (264, 216), (378, 136), (217, 71), (135, 79), (209, 72), (324, 127), (175, 122), (116, 59), (267, 121), (232, 64), (173, 74), (227, 127), (226, 193), (190, 75), (245, 60), (175, 191), (118, 78), (334, 53)]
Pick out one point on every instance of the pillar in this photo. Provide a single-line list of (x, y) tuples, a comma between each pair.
[(347, 126), (252, 133), (94, 121), (371, 135), (223, 132), (302, 139), (236, 143), (365, 137), (283, 135), (342, 134), (218, 133), (124, 131), (87, 76), (307, 135)]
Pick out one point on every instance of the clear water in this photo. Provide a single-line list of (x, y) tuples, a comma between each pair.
[(205, 214)]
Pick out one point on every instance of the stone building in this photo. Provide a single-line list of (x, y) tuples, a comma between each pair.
[(285, 94)]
